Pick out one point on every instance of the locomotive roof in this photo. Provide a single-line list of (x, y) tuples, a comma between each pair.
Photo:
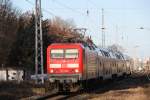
[(126, 57), (66, 43), (105, 51), (111, 54), (77, 44), (102, 51)]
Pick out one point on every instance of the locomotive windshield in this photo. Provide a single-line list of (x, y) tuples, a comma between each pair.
[(61, 53), (71, 53), (57, 53)]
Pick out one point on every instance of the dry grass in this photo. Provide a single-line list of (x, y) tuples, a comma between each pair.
[(136, 87), (15, 91), (138, 93)]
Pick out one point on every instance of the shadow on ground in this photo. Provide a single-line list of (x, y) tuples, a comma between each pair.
[(120, 84)]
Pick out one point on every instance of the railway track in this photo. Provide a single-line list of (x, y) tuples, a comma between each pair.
[(136, 79), (49, 96), (141, 73), (55, 96)]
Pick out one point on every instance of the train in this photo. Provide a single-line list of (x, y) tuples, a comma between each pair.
[(75, 64)]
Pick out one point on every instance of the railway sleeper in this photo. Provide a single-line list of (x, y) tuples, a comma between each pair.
[(90, 84), (64, 87), (114, 76)]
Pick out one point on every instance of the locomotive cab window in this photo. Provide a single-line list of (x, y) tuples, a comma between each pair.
[(71, 53), (57, 53)]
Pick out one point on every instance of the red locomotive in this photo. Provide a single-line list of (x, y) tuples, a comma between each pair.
[(75, 63)]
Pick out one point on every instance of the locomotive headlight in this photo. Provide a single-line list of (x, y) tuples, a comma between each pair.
[(51, 70), (72, 65), (55, 65), (76, 70)]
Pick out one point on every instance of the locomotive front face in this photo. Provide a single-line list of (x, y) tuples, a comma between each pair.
[(64, 63)]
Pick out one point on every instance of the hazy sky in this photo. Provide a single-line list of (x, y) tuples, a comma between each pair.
[(122, 20)]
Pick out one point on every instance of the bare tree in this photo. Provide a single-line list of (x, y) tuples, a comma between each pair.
[(63, 30), (8, 27)]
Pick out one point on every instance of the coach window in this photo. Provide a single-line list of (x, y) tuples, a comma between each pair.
[(100, 64), (102, 53), (71, 53), (57, 53), (93, 47), (106, 54), (90, 47)]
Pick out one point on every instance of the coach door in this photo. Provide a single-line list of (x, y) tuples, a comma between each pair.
[(84, 65), (100, 67)]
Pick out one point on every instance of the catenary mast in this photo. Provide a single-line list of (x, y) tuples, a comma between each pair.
[(38, 40), (103, 29)]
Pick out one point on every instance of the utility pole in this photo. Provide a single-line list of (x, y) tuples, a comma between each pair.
[(103, 29), (38, 40)]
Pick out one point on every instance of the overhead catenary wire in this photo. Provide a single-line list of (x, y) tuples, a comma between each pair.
[(46, 11), (86, 14), (93, 4), (66, 6)]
